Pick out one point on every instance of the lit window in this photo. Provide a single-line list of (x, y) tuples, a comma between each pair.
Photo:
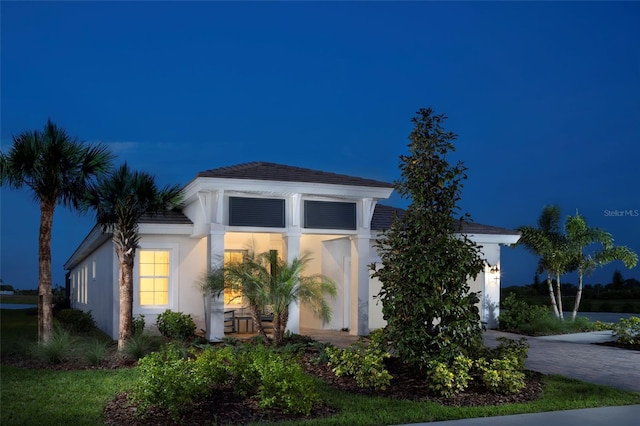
[(233, 256), (154, 277)]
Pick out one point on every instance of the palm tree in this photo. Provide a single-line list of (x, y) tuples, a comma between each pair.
[(57, 168), (582, 236), (120, 200), (266, 280), (548, 242)]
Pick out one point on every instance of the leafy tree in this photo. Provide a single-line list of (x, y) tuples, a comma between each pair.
[(581, 236), (265, 280), (617, 280), (549, 242), (120, 200), (426, 263), (57, 168)]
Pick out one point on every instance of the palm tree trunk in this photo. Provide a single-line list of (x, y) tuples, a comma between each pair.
[(576, 305), (45, 296), (257, 322), (279, 326), (126, 297), (552, 296), (559, 296)]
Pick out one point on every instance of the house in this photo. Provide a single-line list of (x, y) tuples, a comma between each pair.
[(261, 206)]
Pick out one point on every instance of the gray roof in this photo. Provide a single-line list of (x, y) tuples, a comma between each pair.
[(172, 216), (383, 217), (260, 170)]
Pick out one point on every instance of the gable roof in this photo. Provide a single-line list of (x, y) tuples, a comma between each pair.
[(260, 170), (383, 217)]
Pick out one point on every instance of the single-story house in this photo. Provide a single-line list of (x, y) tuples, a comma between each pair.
[(261, 206)]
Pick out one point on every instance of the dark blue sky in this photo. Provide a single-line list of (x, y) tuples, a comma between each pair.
[(545, 98)]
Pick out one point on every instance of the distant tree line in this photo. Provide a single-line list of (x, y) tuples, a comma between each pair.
[(620, 295)]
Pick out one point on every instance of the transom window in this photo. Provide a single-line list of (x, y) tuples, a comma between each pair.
[(154, 277)]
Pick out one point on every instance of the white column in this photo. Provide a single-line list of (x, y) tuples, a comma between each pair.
[(490, 297), (292, 247), (360, 259), (215, 249)]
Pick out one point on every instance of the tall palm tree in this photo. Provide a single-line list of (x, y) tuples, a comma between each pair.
[(581, 236), (120, 200), (549, 243), (266, 280), (57, 168)]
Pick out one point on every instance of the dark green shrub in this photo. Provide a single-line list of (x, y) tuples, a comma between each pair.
[(176, 325), (515, 314), (167, 379), (137, 325), (282, 382), (214, 366), (364, 363), (75, 320)]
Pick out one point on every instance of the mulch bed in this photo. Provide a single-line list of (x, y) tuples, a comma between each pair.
[(225, 407)]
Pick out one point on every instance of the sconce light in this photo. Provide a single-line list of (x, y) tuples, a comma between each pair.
[(494, 269)]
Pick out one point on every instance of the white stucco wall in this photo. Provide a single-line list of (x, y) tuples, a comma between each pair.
[(188, 265), (99, 288)]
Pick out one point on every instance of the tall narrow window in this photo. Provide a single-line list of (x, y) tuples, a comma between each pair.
[(154, 277), (230, 257)]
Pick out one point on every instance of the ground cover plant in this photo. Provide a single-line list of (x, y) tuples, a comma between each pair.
[(75, 391)]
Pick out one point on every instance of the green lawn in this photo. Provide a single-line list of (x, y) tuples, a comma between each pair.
[(18, 298), (78, 397)]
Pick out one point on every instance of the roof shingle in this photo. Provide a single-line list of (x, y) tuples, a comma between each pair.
[(383, 217), (260, 170)]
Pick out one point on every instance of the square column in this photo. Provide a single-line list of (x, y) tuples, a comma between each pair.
[(359, 300), (292, 248), (214, 305)]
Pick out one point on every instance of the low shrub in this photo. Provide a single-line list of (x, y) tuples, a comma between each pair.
[(510, 348), (502, 375), (167, 379), (214, 366), (283, 384), (362, 362), (95, 352), (138, 325), (176, 325), (516, 314), (75, 320), (448, 380), (142, 344), (58, 349), (627, 331)]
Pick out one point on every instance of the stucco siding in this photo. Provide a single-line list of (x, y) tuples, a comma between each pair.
[(92, 287)]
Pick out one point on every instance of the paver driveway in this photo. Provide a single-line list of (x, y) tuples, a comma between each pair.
[(575, 356)]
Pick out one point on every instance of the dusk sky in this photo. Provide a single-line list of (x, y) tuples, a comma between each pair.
[(545, 98)]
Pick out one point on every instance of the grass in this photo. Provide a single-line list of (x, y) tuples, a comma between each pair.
[(561, 394), (79, 397), (550, 325), (18, 298), (48, 397)]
